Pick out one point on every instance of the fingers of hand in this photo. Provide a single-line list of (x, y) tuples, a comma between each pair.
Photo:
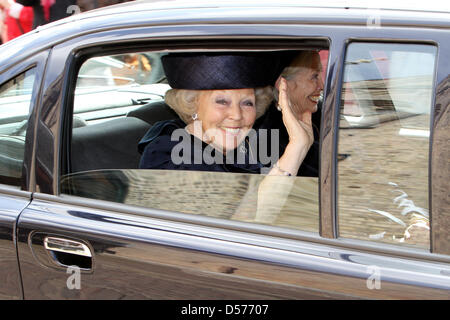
[(283, 101)]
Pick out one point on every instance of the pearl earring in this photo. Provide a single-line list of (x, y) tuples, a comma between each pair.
[(195, 116)]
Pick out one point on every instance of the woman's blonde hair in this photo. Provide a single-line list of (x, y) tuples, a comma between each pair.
[(305, 59), (184, 102), (309, 59)]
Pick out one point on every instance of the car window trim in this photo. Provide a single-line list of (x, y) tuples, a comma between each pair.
[(14, 191), (82, 54), (439, 154)]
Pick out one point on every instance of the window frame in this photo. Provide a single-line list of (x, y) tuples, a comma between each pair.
[(439, 154), (225, 43), (36, 62), (437, 220), (432, 104)]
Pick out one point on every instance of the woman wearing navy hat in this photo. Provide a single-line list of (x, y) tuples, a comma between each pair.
[(218, 97)]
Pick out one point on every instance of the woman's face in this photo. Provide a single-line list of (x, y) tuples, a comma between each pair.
[(304, 89), (226, 116)]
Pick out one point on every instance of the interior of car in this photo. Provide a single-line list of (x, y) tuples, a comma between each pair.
[(105, 134)]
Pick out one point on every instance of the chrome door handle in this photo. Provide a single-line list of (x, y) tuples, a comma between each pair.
[(67, 246)]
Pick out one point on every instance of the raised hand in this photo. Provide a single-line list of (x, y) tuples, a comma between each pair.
[(298, 126)]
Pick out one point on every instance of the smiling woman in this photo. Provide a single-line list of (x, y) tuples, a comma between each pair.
[(219, 96), (221, 119), (214, 99), (304, 81)]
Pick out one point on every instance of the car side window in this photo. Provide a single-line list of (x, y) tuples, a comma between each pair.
[(383, 146), (15, 101), (118, 98), (110, 86)]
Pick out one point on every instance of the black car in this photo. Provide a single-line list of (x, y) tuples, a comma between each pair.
[(80, 220)]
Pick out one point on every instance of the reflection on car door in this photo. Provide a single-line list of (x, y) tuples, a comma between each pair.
[(10, 207), (89, 249), (133, 256)]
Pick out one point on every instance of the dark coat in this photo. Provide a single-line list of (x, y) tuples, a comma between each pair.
[(157, 146)]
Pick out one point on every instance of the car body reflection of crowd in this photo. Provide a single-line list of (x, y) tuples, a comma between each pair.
[(21, 16)]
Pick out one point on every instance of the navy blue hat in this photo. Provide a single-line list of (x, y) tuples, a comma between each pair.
[(216, 71)]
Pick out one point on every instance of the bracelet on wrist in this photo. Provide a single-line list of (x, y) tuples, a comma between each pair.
[(284, 172)]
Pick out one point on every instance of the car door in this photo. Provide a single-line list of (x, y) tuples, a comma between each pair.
[(82, 246), (128, 233), (19, 87)]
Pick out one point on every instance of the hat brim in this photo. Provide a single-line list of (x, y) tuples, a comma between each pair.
[(218, 71)]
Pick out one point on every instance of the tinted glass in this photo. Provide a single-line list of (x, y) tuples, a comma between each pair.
[(15, 99), (111, 86), (230, 196), (118, 99), (384, 143)]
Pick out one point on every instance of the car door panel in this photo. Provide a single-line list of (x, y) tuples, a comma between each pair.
[(17, 155), (10, 208), (136, 256), (135, 260)]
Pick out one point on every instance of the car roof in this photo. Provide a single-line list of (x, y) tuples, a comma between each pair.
[(157, 12), (402, 5)]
